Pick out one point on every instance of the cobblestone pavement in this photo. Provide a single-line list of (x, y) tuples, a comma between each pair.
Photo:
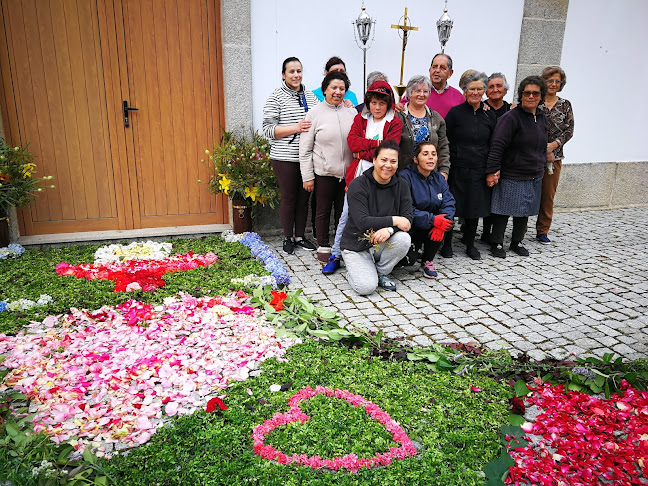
[(586, 293)]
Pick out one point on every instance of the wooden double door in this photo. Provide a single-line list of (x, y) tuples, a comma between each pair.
[(70, 68)]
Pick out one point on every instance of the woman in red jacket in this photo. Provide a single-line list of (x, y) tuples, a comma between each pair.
[(376, 122)]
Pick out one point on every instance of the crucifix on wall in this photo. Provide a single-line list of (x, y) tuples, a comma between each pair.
[(405, 28)]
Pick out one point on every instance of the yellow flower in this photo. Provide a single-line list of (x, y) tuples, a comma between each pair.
[(224, 184), (251, 192), (28, 169)]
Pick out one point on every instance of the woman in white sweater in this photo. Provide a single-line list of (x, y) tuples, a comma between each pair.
[(324, 155), (283, 123)]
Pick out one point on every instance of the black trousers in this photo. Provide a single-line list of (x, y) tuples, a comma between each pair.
[(421, 238), (487, 226), (293, 205), (329, 192), (499, 227), (469, 231)]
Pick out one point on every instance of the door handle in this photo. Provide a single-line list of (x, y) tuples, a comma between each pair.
[(126, 110)]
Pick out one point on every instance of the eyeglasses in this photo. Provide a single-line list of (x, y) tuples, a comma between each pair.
[(532, 94), (553, 81), (420, 91)]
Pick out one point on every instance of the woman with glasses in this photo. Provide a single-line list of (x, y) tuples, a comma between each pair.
[(560, 122), (515, 165), (469, 129), (422, 124)]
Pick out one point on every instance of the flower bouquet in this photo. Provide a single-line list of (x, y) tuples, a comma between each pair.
[(18, 186), (243, 170)]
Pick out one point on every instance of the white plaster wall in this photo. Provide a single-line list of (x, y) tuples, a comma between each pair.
[(604, 57), (315, 31)]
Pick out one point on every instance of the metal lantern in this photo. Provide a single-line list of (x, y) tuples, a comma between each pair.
[(364, 34), (444, 27)]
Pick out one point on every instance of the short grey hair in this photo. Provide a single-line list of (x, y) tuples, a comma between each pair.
[(472, 77), (462, 79), (447, 57), (374, 76), (414, 82), (498, 75)]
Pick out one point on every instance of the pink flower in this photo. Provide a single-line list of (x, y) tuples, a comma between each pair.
[(171, 408)]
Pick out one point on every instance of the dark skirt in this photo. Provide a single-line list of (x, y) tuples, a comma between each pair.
[(517, 198), (472, 195)]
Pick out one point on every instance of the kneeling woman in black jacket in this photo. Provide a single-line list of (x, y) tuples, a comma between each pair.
[(433, 204), (375, 237)]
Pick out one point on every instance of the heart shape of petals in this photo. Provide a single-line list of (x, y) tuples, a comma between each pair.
[(350, 462)]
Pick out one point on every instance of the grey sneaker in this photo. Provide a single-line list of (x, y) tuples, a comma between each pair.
[(386, 282)]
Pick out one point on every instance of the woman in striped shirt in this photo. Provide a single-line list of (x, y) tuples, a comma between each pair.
[(283, 122)]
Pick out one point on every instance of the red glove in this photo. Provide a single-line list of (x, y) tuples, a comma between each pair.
[(436, 234), (441, 222)]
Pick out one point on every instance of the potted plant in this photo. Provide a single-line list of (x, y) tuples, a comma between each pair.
[(243, 172), (18, 186)]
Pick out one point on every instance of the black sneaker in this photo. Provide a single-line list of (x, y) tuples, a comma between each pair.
[(519, 249), (498, 251), (289, 246), (306, 244), (473, 253)]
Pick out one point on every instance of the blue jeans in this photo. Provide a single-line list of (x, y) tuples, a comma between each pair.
[(335, 249)]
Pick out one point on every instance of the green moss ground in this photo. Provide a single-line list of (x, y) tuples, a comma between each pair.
[(455, 428)]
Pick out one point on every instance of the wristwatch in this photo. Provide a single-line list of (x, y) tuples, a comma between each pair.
[(390, 229)]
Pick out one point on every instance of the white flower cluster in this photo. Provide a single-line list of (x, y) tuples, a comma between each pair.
[(230, 237), (138, 250), (253, 280), (14, 250), (26, 304), (45, 469)]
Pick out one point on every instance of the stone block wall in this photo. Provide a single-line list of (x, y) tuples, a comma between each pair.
[(541, 36)]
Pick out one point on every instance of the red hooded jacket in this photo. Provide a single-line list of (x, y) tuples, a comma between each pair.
[(363, 148)]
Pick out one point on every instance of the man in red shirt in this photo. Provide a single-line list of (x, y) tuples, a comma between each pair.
[(443, 96)]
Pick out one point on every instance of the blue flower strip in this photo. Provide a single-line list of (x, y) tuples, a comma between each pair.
[(268, 257)]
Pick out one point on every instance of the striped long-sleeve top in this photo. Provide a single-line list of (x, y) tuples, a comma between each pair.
[(285, 107)]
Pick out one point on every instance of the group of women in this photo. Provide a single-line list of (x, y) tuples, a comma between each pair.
[(485, 160)]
